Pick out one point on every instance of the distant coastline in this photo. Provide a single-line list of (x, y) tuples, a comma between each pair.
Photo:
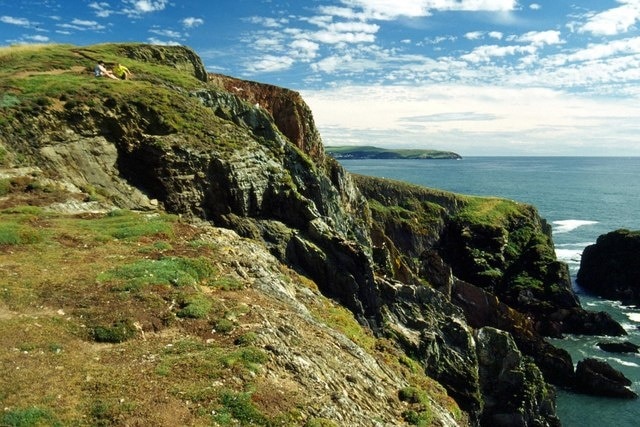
[(369, 152)]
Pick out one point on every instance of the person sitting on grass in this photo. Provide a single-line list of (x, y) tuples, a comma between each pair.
[(101, 71), (122, 72)]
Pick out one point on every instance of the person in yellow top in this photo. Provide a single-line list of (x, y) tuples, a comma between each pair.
[(122, 72)]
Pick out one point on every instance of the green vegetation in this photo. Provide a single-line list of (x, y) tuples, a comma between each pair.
[(488, 211), (128, 225), (419, 414), (179, 272), (368, 152), (195, 307), (28, 417), (119, 331)]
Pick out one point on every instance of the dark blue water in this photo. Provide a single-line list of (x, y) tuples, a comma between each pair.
[(582, 197)]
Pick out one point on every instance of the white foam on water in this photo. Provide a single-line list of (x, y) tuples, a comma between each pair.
[(625, 362), (568, 225), (569, 255), (634, 317)]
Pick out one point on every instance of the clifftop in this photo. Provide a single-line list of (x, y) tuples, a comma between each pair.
[(194, 231)]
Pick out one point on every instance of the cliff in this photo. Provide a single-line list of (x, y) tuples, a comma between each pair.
[(181, 243)]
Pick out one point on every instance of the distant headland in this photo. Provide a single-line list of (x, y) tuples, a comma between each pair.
[(369, 152)]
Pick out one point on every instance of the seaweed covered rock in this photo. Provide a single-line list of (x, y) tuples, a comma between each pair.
[(610, 268)]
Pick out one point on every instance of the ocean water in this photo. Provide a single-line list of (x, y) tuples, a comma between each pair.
[(582, 197)]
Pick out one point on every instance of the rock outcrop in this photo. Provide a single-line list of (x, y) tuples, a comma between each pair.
[(599, 378), (610, 268), (436, 273)]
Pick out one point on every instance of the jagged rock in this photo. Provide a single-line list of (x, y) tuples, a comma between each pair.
[(435, 333), (484, 309), (515, 393), (290, 113), (610, 268), (180, 57), (619, 347), (599, 378)]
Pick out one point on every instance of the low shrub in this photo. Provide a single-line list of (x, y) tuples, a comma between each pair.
[(118, 332), (195, 307), (28, 417)]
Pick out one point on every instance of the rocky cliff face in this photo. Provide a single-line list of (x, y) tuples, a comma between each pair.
[(437, 274)]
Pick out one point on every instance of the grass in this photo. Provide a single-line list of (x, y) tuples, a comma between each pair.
[(489, 211), (171, 271)]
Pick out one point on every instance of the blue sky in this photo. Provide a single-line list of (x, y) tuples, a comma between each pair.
[(479, 77)]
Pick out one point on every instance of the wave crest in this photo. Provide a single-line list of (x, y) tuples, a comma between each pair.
[(567, 225)]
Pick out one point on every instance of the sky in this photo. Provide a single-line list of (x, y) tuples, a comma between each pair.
[(477, 77)]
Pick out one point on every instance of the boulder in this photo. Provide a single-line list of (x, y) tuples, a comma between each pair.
[(619, 347), (598, 378), (610, 268)]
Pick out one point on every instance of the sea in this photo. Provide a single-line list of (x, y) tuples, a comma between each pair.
[(582, 198)]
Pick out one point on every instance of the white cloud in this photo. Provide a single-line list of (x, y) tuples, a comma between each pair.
[(474, 35), (192, 22), (496, 35), (270, 64), (304, 49), (540, 38), (535, 6), (136, 8), (82, 25), (487, 52), (268, 22), (599, 51), (146, 6), (38, 39), (328, 64), (22, 22), (390, 9), (102, 9), (153, 40), (613, 21), (166, 33)]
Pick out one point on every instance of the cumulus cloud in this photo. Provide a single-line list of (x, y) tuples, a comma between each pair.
[(474, 35), (486, 53), (101, 9), (391, 9), (192, 22), (166, 33), (38, 38), (156, 41), (539, 38), (22, 22), (270, 64), (305, 49), (136, 8), (613, 21), (82, 25)]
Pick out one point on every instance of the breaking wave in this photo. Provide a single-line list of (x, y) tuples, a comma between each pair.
[(568, 225)]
